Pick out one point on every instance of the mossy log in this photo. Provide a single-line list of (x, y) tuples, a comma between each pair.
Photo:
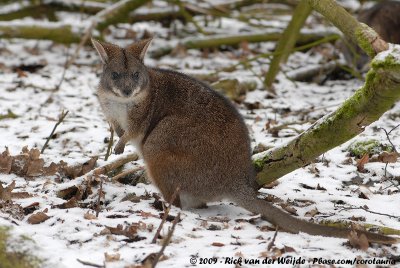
[(379, 93), (58, 33), (234, 40), (119, 13)]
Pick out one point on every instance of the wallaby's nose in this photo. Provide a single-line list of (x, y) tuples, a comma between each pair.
[(126, 92)]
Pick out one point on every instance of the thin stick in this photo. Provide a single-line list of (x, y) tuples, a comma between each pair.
[(110, 143), (272, 243), (166, 240), (388, 137), (126, 173), (99, 199), (166, 213), (66, 65), (60, 120), (113, 165), (367, 210), (90, 263)]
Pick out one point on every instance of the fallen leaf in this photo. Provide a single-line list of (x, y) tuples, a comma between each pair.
[(89, 216), (38, 217), (361, 162), (5, 162), (111, 257), (387, 157), (217, 244), (72, 203), (312, 212), (5, 193)]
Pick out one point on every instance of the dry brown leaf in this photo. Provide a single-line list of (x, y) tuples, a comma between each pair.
[(129, 231), (148, 214), (312, 212), (361, 162), (38, 217), (5, 161), (20, 195), (288, 249), (89, 216), (72, 203), (387, 157), (358, 241), (217, 244), (50, 170), (112, 257), (5, 193)]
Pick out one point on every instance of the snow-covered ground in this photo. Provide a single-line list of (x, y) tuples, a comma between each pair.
[(222, 234)]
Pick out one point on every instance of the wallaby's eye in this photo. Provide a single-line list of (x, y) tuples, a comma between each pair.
[(135, 75), (114, 75)]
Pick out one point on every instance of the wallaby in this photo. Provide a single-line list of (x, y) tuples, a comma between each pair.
[(189, 136), (384, 18)]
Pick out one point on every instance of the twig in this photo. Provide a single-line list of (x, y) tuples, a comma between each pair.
[(66, 65), (166, 212), (110, 143), (166, 240), (388, 137), (367, 210), (100, 193), (60, 120), (90, 263), (272, 243), (126, 173)]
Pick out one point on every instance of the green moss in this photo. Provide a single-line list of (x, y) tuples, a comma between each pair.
[(8, 115), (16, 256), (363, 42), (360, 148)]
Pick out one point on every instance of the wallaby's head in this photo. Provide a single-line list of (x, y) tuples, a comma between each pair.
[(124, 74)]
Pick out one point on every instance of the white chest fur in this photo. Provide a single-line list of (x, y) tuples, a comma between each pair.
[(116, 111)]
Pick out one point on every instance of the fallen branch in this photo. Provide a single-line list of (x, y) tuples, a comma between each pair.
[(234, 40), (379, 93), (126, 173), (57, 32), (114, 164)]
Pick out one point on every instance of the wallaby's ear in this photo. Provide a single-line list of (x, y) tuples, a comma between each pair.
[(139, 49), (105, 50)]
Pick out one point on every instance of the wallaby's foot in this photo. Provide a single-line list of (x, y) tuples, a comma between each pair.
[(119, 148)]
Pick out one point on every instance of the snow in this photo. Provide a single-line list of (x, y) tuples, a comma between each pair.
[(67, 236)]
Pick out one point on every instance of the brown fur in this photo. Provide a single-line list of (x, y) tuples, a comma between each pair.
[(189, 136)]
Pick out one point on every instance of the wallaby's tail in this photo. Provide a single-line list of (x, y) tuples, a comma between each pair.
[(291, 224)]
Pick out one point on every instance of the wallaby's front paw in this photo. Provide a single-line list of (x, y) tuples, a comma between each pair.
[(119, 149)]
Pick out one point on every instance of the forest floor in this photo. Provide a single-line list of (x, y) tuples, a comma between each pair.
[(335, 187)]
